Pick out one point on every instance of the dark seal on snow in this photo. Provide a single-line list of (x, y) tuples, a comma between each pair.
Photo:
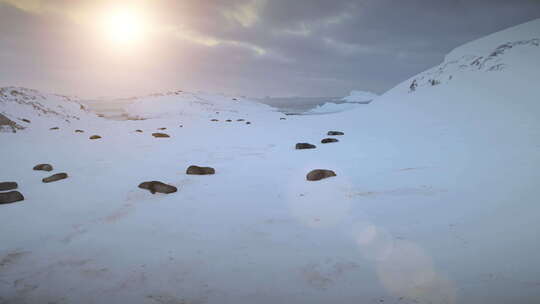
[(155, 186), (93, 137), (54, 128), (139, 131), (79, 131), (43, 167), (329, 140), (303, 146), (8, 186), (319, 174), (160, 135), (55, 177), (335, 133), (196, 170), (11, 197)]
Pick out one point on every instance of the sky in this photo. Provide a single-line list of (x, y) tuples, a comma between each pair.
[(121, 48)]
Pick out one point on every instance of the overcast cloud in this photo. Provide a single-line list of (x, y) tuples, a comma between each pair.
[(248, 47)]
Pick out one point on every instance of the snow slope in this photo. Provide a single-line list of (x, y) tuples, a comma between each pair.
[(513, 50), (435, 199)]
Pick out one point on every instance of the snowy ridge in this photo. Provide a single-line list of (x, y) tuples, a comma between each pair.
[(27, 107), (493, 53), (192, 105)]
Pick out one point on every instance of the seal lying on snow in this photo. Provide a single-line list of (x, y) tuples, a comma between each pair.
[(196, 170), (155, 186), (4, 186), (319, 174), (10, 197)]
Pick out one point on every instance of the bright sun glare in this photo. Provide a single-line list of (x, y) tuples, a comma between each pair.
[(124, 26)]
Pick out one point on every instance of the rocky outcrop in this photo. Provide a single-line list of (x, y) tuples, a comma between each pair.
[(7, 125)]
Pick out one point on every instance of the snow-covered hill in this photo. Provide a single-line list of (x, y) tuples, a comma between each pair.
[(186, 105), (469, 131), (435, 198), (30, 108), (514, 50)]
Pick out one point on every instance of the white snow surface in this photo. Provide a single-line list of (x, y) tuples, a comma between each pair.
[(435, 199)]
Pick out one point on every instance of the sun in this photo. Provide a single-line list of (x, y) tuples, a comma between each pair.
[(124, 26)]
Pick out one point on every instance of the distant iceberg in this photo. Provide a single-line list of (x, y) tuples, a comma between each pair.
[(331, 107), (360, 97), (350, 102)]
